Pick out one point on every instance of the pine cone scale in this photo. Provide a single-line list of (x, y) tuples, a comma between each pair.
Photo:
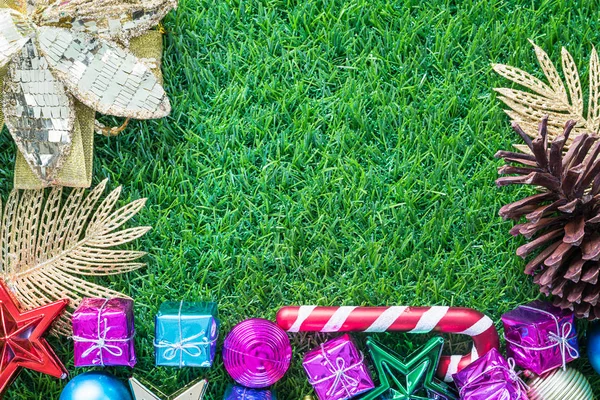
[(570, 179), (591, 275), (575, 231), (526, 249), (518, 157), (529, 229), (513, 209), (586, 178), (573, 150), (562, 251), (537, 215), (510, 169), (556, 156), (574, 271), (569, 207), (533, 265), (547, 277), (576, 293), (593, 297), (591, 249)]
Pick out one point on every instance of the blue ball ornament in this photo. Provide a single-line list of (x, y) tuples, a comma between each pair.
[(95, 386), (593, 345)]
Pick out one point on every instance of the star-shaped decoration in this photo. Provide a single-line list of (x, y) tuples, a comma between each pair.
[(21, 341), (411, 378), (193, 392)]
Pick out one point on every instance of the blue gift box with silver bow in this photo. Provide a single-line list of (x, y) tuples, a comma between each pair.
[(186, 334)]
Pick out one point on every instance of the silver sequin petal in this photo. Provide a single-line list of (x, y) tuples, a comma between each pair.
[(103, 75), (15, 31), (111, 19), (39, 113)]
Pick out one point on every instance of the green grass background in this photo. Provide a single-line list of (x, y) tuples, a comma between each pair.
[(325, 152)]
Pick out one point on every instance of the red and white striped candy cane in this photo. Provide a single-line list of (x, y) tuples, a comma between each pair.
[(456, 320)]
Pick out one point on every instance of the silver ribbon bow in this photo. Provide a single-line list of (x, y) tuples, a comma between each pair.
[(190, 346), (338, 374), (560, 338), (101, 343), (514, 376), (562, 341)]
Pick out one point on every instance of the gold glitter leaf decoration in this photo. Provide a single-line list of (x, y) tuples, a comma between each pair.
[(102, 75), (39, 113), (49, 244), (14, 33), (74, 49), (117, 20), (560, 100)]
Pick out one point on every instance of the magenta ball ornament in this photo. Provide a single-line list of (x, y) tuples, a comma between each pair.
[(257, 353)]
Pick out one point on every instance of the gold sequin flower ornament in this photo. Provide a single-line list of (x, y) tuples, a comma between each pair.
[(73, 49)]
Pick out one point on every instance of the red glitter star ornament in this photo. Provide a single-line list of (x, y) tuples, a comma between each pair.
[(21, 341)]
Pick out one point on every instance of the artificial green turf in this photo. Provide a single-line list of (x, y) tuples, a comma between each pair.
[(326, 152)]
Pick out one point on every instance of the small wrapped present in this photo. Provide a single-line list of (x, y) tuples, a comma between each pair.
[(186, 334), (103, 333), (540, 337), (336, 370), (236, 392), (490, 377)]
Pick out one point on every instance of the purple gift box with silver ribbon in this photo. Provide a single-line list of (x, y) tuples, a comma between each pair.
[(490, 377), (103, 333), (540, 337), (337, 370)]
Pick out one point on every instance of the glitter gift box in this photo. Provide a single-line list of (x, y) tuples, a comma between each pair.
[(186, 334), (336, 370), (236, 392), (540, 337), (490, 377), (103, 333)]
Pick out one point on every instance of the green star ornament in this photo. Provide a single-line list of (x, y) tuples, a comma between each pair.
[(412, 378)]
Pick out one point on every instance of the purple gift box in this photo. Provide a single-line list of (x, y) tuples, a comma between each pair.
[(241, 393), (540, 337), (490, 378), (103, 333), (336, 370)]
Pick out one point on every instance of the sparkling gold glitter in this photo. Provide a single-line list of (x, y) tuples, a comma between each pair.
[(107, 19), (111, 79), (38, 112), (67, 48), (14, 33)]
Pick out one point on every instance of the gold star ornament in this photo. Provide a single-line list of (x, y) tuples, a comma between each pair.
[(57, 55)]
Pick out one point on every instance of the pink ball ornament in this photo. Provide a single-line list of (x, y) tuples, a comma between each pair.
[(257, 353)]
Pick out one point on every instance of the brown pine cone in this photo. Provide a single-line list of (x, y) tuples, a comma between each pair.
[(563, 219)]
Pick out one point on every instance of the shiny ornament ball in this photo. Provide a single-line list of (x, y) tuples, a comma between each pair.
[(95, 386), (257, 353), (569, 384), (593, 345)]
